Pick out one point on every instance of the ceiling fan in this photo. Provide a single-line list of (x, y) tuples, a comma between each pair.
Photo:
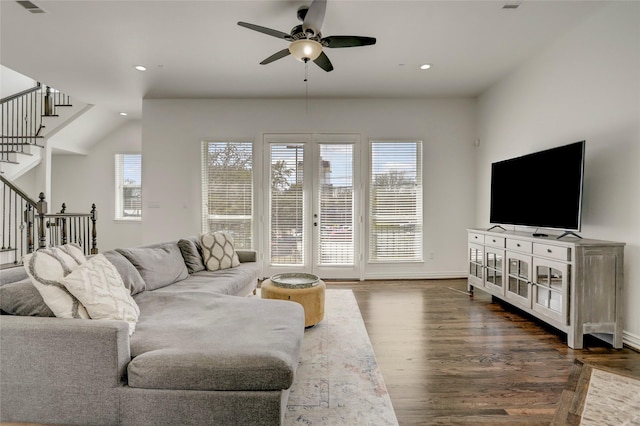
[(306, 41)]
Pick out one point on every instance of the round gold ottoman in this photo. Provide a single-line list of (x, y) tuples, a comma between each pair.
[(309, 295)]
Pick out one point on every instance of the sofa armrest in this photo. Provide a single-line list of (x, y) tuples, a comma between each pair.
[(247, 255), (51, 365)]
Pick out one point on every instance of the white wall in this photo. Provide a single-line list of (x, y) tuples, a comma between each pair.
[(12, 82), (80, 180), (586, 85), (172, 131)]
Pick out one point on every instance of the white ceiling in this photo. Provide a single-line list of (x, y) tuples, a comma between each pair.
[(194, 49)]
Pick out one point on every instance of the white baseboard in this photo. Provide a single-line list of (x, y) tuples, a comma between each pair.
[(417, 276), (631, 340)]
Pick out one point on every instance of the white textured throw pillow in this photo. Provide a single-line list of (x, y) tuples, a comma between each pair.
[(218, 251), (47, 268), (98, 285)]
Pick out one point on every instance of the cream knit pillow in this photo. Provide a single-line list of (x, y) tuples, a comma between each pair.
[(98, 286), (47, 268)]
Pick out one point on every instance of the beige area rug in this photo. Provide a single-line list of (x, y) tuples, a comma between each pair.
[(338, 381), (612, 399)]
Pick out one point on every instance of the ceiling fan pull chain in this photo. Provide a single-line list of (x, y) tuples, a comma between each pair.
[(306, 86)]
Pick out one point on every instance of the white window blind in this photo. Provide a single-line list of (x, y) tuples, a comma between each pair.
[(287, 200), (395, 202), (128, 187), (335, 177), (227, 190)]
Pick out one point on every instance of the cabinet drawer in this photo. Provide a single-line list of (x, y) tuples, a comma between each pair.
[(554, 252), (519, 245), (494, 241), (476, 238)]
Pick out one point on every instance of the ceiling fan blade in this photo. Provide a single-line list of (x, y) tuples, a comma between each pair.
[(278, 55), (347, 41), (315, 16), (265, 30), (323, 62)]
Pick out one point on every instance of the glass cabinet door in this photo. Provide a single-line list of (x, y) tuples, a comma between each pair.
[(551, 289), (518, 289), (494, 271), (476, 259)]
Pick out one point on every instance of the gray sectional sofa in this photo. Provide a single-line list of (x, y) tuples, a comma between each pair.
[(202, 352)]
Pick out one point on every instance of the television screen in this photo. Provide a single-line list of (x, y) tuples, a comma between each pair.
[(543, 189)]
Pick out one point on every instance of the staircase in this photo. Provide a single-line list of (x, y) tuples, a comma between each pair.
[(28, 118)]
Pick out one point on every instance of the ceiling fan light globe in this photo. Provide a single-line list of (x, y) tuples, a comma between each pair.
[(305, 50)]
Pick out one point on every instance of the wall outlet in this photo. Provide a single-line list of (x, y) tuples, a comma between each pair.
[(431, 255)]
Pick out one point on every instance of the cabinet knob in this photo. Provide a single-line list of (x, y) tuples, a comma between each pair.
[(517, 244), (549, 251)]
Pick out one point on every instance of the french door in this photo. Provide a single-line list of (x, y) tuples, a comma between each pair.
[(312, 215)]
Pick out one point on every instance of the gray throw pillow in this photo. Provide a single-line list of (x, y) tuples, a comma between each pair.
[(130, 276), (159, 265), (22, 298), (192, 254)]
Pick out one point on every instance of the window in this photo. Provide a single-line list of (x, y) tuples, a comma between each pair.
[(395, 202), (227, 190), (128, 187)]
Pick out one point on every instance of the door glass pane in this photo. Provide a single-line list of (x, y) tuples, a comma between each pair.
[(287, 207), (335, 179), (556, 279), (491, 260), (542, 275), (514, 267), (555, 302), (513, 285), (523, 289), (542, 297)]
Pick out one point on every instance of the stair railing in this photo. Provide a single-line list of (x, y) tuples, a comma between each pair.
[(26, 225), (21, 118)]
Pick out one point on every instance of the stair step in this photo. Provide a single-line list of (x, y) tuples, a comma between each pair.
[(22, 137), (9, 161), (64, 105), (5, 266), (50, 115), (8, 258), (22, 143), (15, 152)]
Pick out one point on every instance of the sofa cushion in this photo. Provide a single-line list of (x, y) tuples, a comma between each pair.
[(12, 275), (192, 254), (47, 268), (238, 281), (131, 278), (98, 286), (201, 341), (159, 265), (22, 298), (218, 251)]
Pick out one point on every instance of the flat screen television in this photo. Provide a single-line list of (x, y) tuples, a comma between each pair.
[(542, 190)]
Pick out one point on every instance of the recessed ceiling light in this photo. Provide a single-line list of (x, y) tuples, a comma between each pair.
[(123, 114), (425, 66), (141, 68)]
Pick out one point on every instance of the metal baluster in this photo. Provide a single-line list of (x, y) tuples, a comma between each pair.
[(94, 235), (4, 218)]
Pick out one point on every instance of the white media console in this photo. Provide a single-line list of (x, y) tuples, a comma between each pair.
[(572, 284)]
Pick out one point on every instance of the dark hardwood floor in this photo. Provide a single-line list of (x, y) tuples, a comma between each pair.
[(448, 358)]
